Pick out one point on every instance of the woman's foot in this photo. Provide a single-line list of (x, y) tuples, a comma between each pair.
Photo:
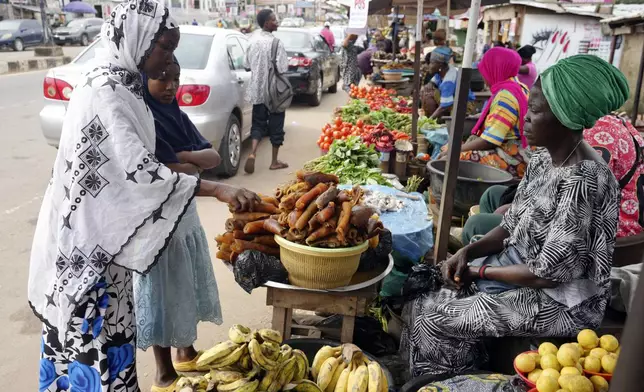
[(162, 381), (166, 375), (278, 165), (186, 354)]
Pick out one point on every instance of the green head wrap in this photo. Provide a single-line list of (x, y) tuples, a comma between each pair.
[(583, 88)]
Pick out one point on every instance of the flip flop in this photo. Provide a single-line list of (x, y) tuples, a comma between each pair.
[(249, 168), (170, 388), (279, 166), (189, 366)]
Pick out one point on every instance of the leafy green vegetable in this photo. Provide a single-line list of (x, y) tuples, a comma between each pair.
[(354, 110), (352, 161), (391, 119)]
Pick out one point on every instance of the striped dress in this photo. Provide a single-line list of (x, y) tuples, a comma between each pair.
[(501, 128)]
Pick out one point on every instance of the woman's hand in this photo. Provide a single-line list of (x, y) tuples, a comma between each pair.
[(455, 269), (239, 198)]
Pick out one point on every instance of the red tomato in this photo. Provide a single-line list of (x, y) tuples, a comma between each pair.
[(327, 139), (338, 121), (337, 134), (360, 123), (325, 146)]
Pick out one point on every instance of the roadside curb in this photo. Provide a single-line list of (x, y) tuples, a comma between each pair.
[(32, 64)]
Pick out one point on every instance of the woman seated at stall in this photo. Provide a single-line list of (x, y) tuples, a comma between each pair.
[(545, 271), (497, 138), (437, 96)]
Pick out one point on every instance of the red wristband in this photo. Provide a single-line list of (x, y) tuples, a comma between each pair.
[(482, 271)]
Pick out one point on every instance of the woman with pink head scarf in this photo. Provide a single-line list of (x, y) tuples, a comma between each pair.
[(497, 138)]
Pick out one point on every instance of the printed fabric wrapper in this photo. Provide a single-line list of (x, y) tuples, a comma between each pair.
[(412, 232)]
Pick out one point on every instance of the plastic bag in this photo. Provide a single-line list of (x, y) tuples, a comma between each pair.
[(422, 279), (379, 255), (253, 269), (367, 334)]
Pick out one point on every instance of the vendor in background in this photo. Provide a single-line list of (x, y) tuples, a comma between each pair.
[(497, 138), (381, 43), (349, 65), (328, 36), (528, 71), (545, 272), (437, 96)]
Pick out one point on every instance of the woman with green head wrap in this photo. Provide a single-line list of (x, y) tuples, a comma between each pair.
[(544, 272)]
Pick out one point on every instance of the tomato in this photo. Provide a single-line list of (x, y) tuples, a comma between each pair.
[(338, 121), (327, 139), (325, 146), (337, 134), (360, 123)]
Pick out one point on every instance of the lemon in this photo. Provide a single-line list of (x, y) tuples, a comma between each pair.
[(547, 384), (524, 363), (568, 356), (608, 362), (570, 371), (549, 361), (598, 352), (575, 346), (534, 375), (608, 343), (581, 361), (593, 364), (580, 384), (536, 357), (619, 349), (551, 373), (547, 348), (588, 339), (580, 368), (599, 383), (564, 380)]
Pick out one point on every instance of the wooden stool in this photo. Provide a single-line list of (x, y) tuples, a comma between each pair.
[(349, 304)]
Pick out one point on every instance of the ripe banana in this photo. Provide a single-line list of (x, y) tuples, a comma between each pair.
[(360, 380), (286, 352), (375, 377), (385, 382), (245, 362), (285, 374), (343, 381), (271, 350), (306, 386), (239, 334), (301, 364), (225, 376), (216, 353), (234, 357), (258, 357), (325, 353), (268, 379), (336, 376), (270, 335), (243, 385), (326, 372)]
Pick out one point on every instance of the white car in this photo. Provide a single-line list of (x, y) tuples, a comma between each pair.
[(213, 83)]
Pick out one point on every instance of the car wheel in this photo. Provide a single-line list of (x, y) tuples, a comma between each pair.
[(230, 150), (84, 41), (18, 45), (316, 98)]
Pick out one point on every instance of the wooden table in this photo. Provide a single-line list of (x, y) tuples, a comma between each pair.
[(350, 302)]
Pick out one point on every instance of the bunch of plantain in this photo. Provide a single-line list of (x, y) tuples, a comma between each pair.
[(192, 384), (346, 369), (253, 361)]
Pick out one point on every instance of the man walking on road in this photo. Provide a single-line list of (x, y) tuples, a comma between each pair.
[(327, 34), (259, 60)]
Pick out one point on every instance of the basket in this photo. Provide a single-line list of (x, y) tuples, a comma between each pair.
[(319, 268), (522, 375), (392, 75)]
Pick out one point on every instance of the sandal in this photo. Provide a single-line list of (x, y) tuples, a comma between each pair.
[(170, 388), (279, 165), (190, 366), (249, 168)]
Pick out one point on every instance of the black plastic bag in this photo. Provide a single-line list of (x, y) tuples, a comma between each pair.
[(254, 268), (367, 334), (422, 279), (379, 255)]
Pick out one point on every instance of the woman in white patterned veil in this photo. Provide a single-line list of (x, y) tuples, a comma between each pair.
[(110, 209), (544, 272)]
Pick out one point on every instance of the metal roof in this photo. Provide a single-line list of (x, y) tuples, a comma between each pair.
[(583, 10)]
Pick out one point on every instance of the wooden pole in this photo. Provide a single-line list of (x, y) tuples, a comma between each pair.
[(459, 113), (638, 89), (417, 81)]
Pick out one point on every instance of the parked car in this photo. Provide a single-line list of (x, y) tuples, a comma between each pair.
[(339, 35), (212, 89), (292, 22), (312, 67), (78, 31), (20, 33)]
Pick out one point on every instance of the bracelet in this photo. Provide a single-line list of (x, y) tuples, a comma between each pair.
[(482, 271)]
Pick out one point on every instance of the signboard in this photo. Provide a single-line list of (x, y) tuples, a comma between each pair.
[(359, 14), (231, 3)]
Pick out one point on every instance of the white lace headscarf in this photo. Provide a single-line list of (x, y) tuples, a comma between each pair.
[(109, 200)]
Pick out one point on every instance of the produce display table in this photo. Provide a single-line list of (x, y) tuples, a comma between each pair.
[(349, 301)]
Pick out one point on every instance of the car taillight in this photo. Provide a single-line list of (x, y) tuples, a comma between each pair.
[(192, 94), (299, 62), (57, 89)]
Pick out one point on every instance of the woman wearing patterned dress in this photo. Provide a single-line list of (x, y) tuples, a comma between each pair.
[(110, 209), (545, 271), (181, 290), (349, 65), (497, 138)]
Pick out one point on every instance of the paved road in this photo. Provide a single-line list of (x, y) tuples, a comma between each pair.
[(28, 54), (25, 167)]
